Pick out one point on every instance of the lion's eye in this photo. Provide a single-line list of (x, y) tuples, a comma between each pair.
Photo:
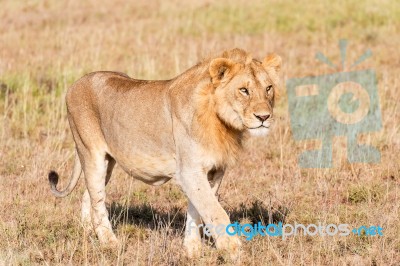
[(244, 91), (268, 89)]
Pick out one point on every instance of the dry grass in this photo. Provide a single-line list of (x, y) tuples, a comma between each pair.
[(46, 45)]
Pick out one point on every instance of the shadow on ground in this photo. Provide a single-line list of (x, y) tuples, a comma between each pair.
[(147, 216)]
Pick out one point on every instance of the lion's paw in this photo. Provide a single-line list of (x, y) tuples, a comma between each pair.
[(231, 244), (109, 240), (192, 247)]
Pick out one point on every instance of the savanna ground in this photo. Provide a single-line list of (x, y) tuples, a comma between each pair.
[(46, 45)]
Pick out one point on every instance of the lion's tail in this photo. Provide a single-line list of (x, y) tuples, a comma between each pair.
[(76, 173)]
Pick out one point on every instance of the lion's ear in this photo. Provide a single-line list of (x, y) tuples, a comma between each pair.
[(272, 63), (221, 68)]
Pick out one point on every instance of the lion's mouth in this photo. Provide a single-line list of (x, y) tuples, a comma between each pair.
[(260, 126), (265, 126), (261, 130)]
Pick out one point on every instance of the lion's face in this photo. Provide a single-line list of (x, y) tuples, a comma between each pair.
[(245, 94)]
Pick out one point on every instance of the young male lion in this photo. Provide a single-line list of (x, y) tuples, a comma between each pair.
[(188, 128)]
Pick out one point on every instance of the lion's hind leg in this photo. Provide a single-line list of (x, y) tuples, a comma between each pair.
[(97, 168), (86, 216)]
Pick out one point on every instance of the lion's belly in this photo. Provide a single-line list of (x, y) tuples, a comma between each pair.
[(151, 169)]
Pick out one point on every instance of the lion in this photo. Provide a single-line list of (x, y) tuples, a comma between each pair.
[(189, 128)]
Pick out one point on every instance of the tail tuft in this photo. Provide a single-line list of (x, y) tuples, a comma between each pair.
[(53, 179)]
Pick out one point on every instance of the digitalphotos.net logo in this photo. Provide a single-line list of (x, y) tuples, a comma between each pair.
[(338, 104), (249, 231)]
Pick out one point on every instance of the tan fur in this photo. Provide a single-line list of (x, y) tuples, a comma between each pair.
[(189, 128)]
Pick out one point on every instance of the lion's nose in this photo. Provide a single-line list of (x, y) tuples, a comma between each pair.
[(262, 118)]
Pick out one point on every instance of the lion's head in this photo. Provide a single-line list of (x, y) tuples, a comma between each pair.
[(245, 90)]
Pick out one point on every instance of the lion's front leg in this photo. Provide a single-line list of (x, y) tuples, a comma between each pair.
[(202, 196), (193, 241)]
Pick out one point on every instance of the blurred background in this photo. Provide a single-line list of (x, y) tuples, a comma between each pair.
[(45, 45)]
